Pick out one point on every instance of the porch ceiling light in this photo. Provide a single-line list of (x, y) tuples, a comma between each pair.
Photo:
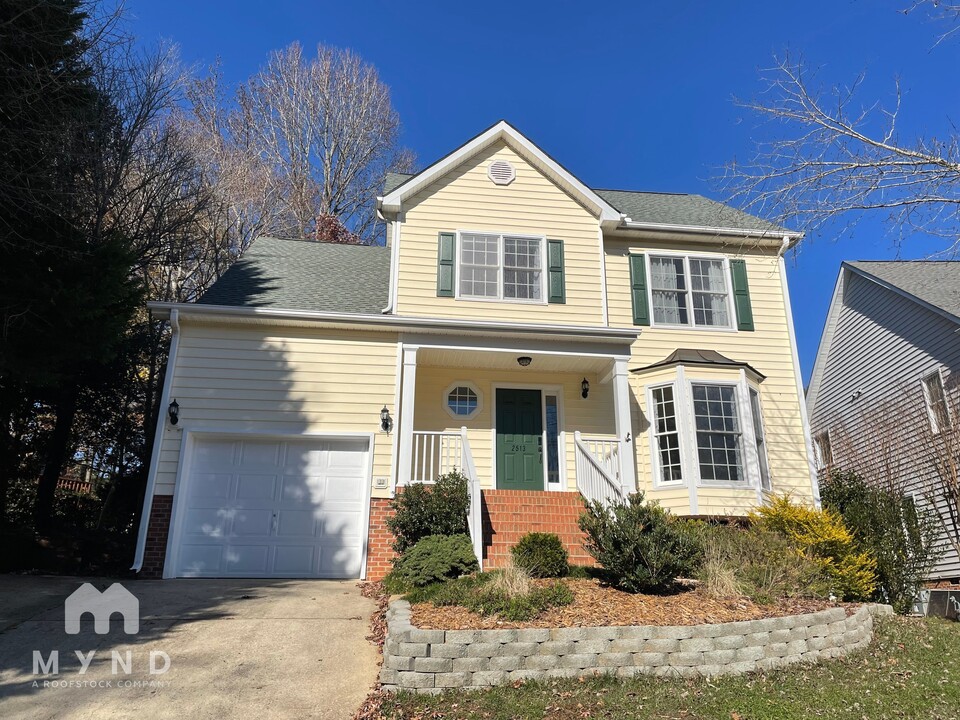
[(524, 360), (386, 422), (584, 388), (173, 410)]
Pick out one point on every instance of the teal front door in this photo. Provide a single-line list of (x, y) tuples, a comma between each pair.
[(519, 440)]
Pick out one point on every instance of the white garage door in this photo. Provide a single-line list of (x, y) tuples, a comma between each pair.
[(264, 508)]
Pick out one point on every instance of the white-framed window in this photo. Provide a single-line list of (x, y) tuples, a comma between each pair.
[(666, 435), (761, 439), (935, 398), (822, 453), (690, 291), (699, 430), (505, 266), (716, 419), (462, 400)]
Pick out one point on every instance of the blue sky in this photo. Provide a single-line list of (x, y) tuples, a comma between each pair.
[(626, 95)]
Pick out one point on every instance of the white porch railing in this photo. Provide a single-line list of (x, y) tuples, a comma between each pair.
[(438, 453), (598, 468)]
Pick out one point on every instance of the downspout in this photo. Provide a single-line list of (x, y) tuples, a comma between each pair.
[(158, 440), (394, 270)]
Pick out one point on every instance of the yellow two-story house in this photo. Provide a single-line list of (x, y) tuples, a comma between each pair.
[(550, 341)]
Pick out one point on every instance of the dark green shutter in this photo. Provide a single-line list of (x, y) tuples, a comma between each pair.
[(741, 294), (446, 257), (557, 292), (638, 290)]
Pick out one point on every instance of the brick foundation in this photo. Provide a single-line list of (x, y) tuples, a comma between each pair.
[(156, 546), (508, 515), (379, 541)]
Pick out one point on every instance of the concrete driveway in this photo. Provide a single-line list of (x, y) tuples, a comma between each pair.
[(236, 648)]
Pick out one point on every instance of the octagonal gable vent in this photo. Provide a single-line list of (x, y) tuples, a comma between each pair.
[(501, 172)]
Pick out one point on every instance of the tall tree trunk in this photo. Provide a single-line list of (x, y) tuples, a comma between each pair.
[(56, 457)]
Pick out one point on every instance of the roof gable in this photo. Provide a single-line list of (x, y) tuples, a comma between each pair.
[(393, 199)]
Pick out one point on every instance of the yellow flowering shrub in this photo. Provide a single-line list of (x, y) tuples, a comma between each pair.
[(822, 535)]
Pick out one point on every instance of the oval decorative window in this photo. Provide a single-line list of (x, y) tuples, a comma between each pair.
[(462, 401), (501, 172)]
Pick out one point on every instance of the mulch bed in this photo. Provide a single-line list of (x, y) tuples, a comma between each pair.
[(596, 604)]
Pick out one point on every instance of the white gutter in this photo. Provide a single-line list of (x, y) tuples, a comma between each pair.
[(707, 230), (393, 322), (158, 439)]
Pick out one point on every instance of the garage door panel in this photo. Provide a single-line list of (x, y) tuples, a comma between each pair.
[(343, 489), (255, 453), (296, 560), (252, 521), (256, 487), (199, 560), (208, 485), (205, 522), (265, 508), (251, 560), (293, 523)]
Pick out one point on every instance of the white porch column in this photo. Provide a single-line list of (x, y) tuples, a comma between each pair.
[(621, 404), (407, 394)]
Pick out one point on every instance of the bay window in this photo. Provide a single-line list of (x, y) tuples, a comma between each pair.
[(708, 433)]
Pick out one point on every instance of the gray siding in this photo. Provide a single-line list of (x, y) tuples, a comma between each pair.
[(882, 345)]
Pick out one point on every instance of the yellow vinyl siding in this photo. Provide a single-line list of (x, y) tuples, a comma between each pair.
[(466, 199), (767, 349), (592, 416), (281, 380)]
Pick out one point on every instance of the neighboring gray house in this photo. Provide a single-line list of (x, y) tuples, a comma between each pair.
[(883, 398)]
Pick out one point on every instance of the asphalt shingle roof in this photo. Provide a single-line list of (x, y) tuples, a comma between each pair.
[(306, 275), (661, 208), (935, 282)]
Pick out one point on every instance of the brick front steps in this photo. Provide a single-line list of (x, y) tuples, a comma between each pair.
[(431, 660), (508, 515)]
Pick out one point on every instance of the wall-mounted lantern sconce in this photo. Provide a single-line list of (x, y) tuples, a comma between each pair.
[(386, 422), (174, 412), (584, 388), (524, 361)]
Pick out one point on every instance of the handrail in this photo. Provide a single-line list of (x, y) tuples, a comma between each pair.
[(474, 520), (594, 481)]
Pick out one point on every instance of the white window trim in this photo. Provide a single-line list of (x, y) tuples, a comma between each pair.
[(686, 257), (462, 383), (818, 459), (750, 469), (763, 429), (658, 481), (928, 402), (542, 239)]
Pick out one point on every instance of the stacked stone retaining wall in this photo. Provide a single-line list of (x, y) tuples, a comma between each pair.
[(432, 660)]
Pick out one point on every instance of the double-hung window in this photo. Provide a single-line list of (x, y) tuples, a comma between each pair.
[(500, 267), (666, 435), (935, 398), (691, 291), (719, 439)]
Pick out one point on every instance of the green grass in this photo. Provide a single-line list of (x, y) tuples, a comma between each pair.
[(912, 670)]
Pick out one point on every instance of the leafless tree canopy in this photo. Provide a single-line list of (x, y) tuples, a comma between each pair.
[(835, 155), (305, 138)]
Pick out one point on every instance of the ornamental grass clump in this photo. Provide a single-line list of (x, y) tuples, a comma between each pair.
[(822, 535)]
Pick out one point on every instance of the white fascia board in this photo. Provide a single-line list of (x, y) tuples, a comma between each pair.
[(393, 201), (826, 339), (771, 235), (162, 310)]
